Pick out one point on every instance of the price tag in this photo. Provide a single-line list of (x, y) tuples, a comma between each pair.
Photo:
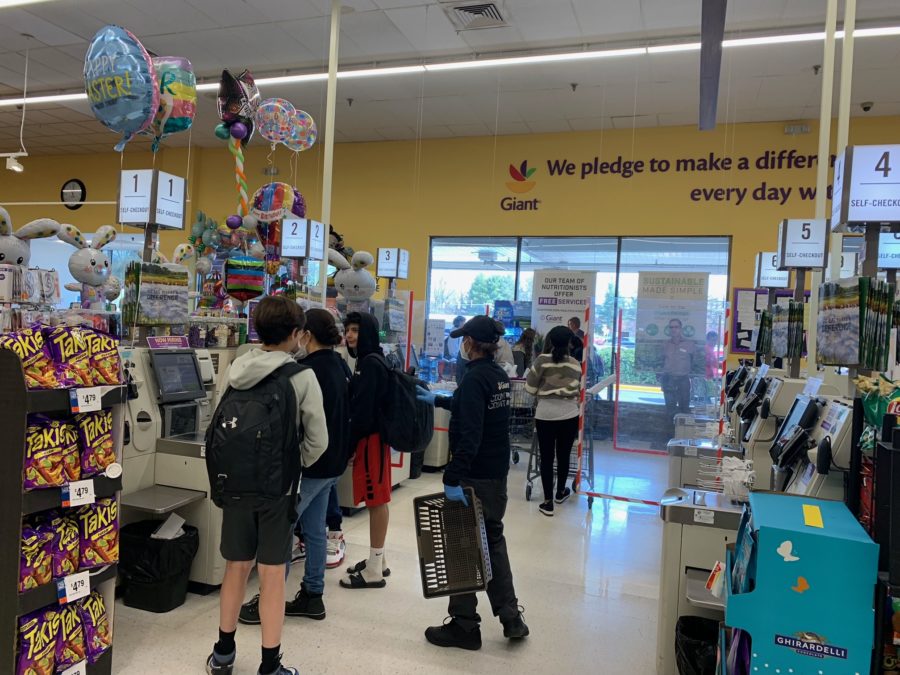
[(169, 211), (704, 516), (403, 264), (318, 233), (767, 273), (85, 399), (73, 587), (867, 185), (77, 669), (135, 192), (388, 263), (802, 243), (812, 387), (294, 238), (78, 493), (889, 251)]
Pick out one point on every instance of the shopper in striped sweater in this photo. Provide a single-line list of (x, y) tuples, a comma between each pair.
[(555, 379)]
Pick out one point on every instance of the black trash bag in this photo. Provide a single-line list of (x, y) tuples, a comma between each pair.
[(155, 572), (696, 645)]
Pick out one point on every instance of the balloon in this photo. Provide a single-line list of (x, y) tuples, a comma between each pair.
[(275, 201), (120, 82), (257, 250), (177, 97), (273, 265), (197, 228), (244, 277), (270, 237), (222, 131), (249, 222), (303, 132), (273, 119), (182, 253), (234, 222), (207, 237), (204, 266), (238, 130), (238, 98)]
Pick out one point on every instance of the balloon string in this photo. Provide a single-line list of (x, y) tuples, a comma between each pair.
[(240, 178)]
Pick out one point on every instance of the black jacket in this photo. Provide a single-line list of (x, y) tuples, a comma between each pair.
[(334, 379), (479, 423), (369, 383)]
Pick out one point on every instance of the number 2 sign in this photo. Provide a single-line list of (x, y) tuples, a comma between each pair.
[(294, 238)]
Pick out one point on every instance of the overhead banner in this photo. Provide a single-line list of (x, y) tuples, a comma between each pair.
[(559, 295), (662, 298)]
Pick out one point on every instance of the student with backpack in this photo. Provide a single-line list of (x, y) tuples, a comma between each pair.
[(317, 342), (269, 424)]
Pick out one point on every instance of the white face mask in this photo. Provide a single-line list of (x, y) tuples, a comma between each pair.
[(463, 350), (300, 352)]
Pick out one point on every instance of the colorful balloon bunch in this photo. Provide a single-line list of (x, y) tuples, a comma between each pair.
[(205, 234), (237, 103), (278, 121), (271, 204)]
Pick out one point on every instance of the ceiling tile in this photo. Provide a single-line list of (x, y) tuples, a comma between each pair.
[(470, 129), (426, 28), (634, 122), (542, 21), (594, 17), (590, 123), (548, 126), (44, 32)]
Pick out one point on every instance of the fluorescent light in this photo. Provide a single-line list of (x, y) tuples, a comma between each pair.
[(35, 100), (376, 72), (208, 86), (874, 32), (666, 49), (538, 58), (14, 3), (773, 39)]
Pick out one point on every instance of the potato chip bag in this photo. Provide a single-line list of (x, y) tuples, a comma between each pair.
[(43, 467), (69, 351), (71, 453), (98, 638), (104, 354), (29, 346), (65, 544), (37, 643), (99, 533), (97, 447), (35, 558), (70, 645)]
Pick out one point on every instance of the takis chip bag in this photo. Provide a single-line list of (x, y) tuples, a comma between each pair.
[(43, 466), (65, 546), (70, 645), (98, 638), (29, 346), (35, 558), (104, 353), (97, 447), (99, 531), (37, 643), (69, 350), (71, 454)]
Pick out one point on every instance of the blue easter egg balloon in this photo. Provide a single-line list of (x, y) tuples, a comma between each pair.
[(120, 82)]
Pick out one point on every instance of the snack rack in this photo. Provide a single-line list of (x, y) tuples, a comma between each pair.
[(17, 403)]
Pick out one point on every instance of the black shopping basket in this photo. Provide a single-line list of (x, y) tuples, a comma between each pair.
[(453, 549)]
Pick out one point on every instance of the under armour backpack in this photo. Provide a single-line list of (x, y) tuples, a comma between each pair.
[(407, 424), (253, 443)]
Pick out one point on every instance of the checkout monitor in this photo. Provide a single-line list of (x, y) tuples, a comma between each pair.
[(792, 439), (177, 375)]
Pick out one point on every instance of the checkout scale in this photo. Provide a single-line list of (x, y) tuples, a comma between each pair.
[(809, 454)]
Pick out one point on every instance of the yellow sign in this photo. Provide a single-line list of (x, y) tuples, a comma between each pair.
[(812, 516)]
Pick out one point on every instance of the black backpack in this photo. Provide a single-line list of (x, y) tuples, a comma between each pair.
[(253, 443), (407, 424)]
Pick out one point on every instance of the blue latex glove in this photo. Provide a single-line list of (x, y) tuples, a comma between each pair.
[(425, 395), (454, 493)]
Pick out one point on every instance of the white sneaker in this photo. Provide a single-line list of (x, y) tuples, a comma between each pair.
[(335, 550), (299, 552)]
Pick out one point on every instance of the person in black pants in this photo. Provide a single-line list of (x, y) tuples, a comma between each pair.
[(479, 444)]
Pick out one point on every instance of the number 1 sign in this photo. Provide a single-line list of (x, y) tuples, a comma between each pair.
[(149, 196)]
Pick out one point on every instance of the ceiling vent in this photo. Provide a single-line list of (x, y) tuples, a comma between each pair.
[(469, 16)]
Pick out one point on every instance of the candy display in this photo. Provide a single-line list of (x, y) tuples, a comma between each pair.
[(99, 532), (35, 558), (98, 637), (28, 344), (97, 446), (71, 454), (38, 635), (44, 440), (71, 647)]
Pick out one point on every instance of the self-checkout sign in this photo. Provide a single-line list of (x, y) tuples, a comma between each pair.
[(889, 251), (85, 399), (77, 669), (73, 587), (802, 243), (78, 493)]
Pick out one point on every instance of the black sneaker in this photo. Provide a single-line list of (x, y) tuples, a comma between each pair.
[(563, 496), (515, 629), (451, 634), (306, 604), (250, 612), (281, 670), (547, 508), (213, 667)]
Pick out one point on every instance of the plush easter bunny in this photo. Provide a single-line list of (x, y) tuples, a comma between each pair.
[(353, 280), (89, 265), (15, 248)]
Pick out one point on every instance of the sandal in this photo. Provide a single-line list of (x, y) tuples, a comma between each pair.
[(357, 581), (361, 565)]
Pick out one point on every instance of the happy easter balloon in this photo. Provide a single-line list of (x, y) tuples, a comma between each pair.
[(120, 82), (177, 97)]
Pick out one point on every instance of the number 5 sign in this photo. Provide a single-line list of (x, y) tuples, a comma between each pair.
[(802, 243), (866, 185)]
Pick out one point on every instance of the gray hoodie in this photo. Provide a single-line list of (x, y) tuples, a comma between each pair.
[(247, 370)]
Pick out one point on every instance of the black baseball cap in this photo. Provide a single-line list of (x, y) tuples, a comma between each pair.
[(480, 328)]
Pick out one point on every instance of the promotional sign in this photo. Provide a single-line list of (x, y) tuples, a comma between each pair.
[(315, 246), (155, 294), (559, 295), (434, 337), (888, 251), (767, 274), (135, 195), (169, 201), (663, 299), (802, 243), (388, 263), (168, 342), (866, 185), (294, 238)]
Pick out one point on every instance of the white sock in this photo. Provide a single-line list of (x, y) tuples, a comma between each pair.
[(374, 565)]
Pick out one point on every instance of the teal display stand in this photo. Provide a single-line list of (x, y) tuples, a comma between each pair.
[(810, 610)]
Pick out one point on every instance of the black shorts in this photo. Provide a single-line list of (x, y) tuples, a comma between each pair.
[(265, 536)]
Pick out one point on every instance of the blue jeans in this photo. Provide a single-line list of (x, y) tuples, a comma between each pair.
[(314, 493), (334, 518)]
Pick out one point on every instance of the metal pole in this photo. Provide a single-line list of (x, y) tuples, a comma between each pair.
[(328, 164), (799, 292), (822, 173)]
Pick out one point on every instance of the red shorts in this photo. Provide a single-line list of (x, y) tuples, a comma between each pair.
[(372, 472)]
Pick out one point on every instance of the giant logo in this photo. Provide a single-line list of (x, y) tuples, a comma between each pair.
[(520, 184)]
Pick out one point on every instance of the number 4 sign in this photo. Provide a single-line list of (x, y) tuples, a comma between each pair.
[(867, 185)]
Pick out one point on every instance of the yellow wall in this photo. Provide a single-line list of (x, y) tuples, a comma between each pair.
[(400, 193)]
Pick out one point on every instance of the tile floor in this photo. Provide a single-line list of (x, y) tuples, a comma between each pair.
[(588, 580)]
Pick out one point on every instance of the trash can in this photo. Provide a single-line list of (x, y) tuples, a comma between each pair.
[(416, 462), (155, 572), (696, 644)]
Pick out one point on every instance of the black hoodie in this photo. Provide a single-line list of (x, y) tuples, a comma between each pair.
[(369, 384), (333, 376)]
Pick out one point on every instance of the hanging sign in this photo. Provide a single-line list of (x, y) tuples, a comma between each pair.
[(315, 247), (866, 186), (767, 273), (802, 243), (434, 337), (403, 264), (135, 196), (169, 201), (388, 263), (151, 196), (294, 238), (889, 251)]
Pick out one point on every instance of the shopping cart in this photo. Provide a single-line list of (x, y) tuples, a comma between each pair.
[(521, 419)]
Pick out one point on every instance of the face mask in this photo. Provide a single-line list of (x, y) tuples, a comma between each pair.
[(300, 352), (464, 350)]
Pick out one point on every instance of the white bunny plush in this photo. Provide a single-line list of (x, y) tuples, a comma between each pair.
[(352, 279), (89, 265), (15, 248)]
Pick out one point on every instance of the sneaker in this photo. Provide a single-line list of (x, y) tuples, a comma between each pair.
[(299, 553), (335, 550), (547, 508), (563, 496), (250, 612), (306, 604), (213, 667), (281, 670), (451, 634), (515, 629)]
